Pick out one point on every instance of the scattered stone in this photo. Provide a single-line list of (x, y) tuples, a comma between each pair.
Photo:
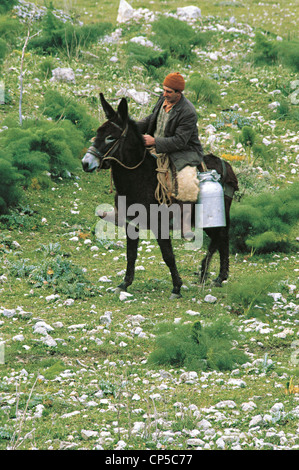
[(210, 298), (63, 74), (189, 12), (89, 434), (125, 12)]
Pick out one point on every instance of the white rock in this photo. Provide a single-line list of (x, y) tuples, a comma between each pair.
[(49, 341), (142, 41), (18, 338), (136, 397), (138, 426), (70, 415), (77, 326), (39, 411), (9, 313), (256, 421), (188, 376), (266, 141), (210, 298), (220, 443), (277, 407), (121, 445), (189, 12), (88, 434), (40, 330), (284, 333), (94, 248), (294, 84), (204, 424), (63, 74), (43, 324), (274, 105), (248, 406), (141, 97), (195, 442), (104, 279), (213, 56), (192, 312), (226, 404), (237, 382), (125, 12), (106, 318), (52, 297), (124, 295), (276, 295), (294, 97)]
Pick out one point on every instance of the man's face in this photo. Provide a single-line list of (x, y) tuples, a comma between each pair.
[(170, 95)]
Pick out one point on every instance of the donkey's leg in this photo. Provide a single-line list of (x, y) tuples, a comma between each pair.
[(223, 246), (224, 257), (169, 258), (132, 245), (213, 246)]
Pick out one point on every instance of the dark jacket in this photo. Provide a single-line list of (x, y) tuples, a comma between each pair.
[(181, 140)]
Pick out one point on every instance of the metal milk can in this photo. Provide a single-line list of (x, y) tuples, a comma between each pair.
[(209, 209)]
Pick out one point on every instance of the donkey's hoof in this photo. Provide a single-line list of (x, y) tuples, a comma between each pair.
[(217, 282), (117, 290), (175, 296)]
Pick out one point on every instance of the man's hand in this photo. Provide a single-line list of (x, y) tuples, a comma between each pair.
[(149, 141)]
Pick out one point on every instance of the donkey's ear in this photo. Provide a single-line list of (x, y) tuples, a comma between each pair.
[(108, 110), (122, 110)]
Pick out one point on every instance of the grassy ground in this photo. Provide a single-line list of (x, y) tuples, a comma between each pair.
[(279, 18), (95, 377)]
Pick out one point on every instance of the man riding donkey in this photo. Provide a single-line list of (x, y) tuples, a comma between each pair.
[(170, 133)]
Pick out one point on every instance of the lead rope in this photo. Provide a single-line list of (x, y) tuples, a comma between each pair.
[(204, 166), (162, 193)]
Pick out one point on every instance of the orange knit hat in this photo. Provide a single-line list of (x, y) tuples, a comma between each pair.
[(174, 81)]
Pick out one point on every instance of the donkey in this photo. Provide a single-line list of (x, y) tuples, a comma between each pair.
[(119, 145)]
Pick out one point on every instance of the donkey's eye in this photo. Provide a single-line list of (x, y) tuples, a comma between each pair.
[(109, 140)]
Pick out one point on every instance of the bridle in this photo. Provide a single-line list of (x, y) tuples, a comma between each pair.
[(94, 151)]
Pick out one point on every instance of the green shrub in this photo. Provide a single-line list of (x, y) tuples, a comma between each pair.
[(148, 57), (3, 49), (10, 29), (59, 107), (10, 181), (204, 89), (265, 50), (250, 294), (271, 51), (263, 223), (176, 37), (59, 35), (248, 136), (288, 54), (58, 274), (42, 146), (197, 347), (46, 67), (247, 139), (7, 5), (283, 110)]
